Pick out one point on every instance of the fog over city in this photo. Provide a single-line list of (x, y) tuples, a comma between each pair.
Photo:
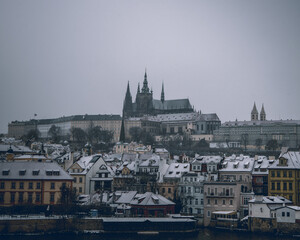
[(61, 58)]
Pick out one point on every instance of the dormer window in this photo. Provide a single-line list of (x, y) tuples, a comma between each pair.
[(56, 172), (5, 172), (49, 173), (22, 172), (35, 172)]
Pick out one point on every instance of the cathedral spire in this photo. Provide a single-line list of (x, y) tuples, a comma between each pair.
[(262, 113), (162, 96), (127, 107), (254, 113), (145, 88), (138, 90)]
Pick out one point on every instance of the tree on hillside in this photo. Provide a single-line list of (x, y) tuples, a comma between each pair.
[(272, 145), (55, 133), (78, 135), (258, 143), (135, 133), (245, 140), (31, 136)]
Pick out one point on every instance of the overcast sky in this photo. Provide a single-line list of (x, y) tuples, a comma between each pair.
[(60, 58)]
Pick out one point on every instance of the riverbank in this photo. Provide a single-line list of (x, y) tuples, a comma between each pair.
[(25, 225)]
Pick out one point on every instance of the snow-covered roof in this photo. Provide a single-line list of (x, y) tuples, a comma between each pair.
[(261, 166), (33, 157), (22, 170), (175, 170), (293, 161), (126, 197), (207, 159), (151, 199), (253, 123), (151, 161), (15, 148), (270, 200), (238, 164)]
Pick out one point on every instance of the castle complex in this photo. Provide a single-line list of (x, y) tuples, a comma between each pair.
[(145, 104)]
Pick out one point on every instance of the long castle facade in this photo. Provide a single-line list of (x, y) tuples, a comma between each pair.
[(145, 104)]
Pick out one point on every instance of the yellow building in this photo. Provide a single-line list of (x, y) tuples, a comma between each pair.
[(284, 177), (29, 182)]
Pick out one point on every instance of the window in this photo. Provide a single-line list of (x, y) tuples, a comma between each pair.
[(51, 197), (169, 190), (80, 179), (2, 185), (80, 189), (224, 202), (35, 172), (75, 179), (216, 201), (284, 174), (273, 186), (163, 190), (29, 199), (201, 201), (208, 213), (37, 197), (21, 195), (196, 201), (290, 174), (5, 172), (278, 173), (30, 185), (283, 214), (278, 186), (288, 214), (273, 173), (52, 185), (1, 197), (231, 202), (12, 197), (290, 186), (21, 185), (208, 201), (13, 185), (285, 186), (38, 185)]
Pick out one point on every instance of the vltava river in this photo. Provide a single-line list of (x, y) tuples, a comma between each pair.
[(204, 234)]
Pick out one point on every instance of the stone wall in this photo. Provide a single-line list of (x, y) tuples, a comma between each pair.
[(49, 225), (265, 225)]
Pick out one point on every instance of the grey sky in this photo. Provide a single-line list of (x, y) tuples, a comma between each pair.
[(75, 57)]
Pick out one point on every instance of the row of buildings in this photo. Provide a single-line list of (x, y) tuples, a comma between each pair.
[(204, 186)]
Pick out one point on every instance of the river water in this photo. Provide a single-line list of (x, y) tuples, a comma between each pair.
[(204, 234)]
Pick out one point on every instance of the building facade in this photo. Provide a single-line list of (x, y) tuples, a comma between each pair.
[(30, 182)]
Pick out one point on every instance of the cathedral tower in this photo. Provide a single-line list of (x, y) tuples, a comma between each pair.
[(254, 113), (262, 114)]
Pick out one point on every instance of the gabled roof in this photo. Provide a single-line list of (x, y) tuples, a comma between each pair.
[(126, 197), (150, 199)]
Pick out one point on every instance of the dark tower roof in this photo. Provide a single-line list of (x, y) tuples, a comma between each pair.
[(263, 110), (145, 88), (162, 97), (254, 110), (127, 106)]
